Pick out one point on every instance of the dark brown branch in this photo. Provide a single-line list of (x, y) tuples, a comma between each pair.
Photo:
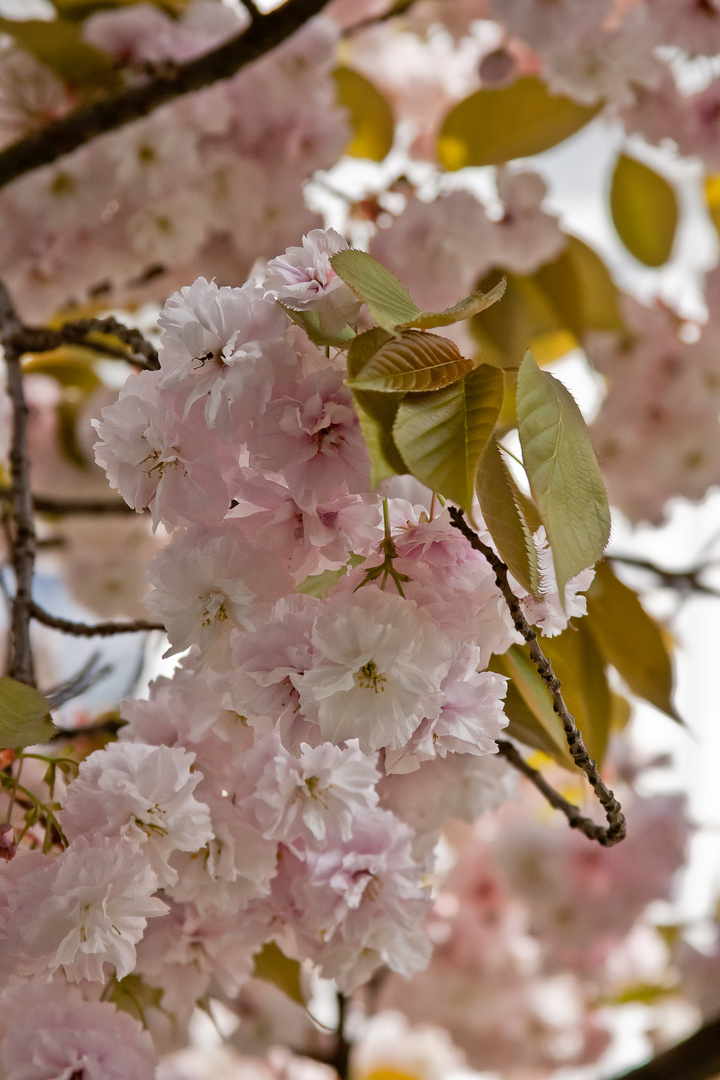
[(616, 830), (32, 339), (79, 127), (79, 629), (575, 818), (695, 1058), (63, 507), (23, 531)]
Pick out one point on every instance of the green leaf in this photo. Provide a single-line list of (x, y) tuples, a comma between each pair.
[(60, 46), (564, 475), (494, 126), (412, 361), (370, 115), (24, 715), (550, 310), (272, 965), (442, 435), (630, 639), (77, 10), (376, 411), (377, 414), (503, 515), (582, 290), (580, 667), (712, 199), (389, 303), (309, 321), (131, 995), (472, 305), (644, 211), (529, 707)]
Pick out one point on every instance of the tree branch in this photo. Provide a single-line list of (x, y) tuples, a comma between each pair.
[(63, 507), (575, 818), (695, 1058), (39, 339), (23, 535), (683, 581), (79, 127), (102, 629), (616, 830)]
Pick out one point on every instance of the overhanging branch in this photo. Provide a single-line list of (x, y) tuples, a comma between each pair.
[(79, 127)]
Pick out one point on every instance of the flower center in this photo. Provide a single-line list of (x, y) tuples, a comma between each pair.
[(368, 676), (214, 608)]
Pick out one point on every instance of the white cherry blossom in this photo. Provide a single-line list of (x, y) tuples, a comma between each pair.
[(377, 668)]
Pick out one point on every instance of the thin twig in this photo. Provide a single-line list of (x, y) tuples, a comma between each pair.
[(84, 124), (23, 536), (103, 629), (683, 581), (616, 830), (575, 818), (695, 1058)]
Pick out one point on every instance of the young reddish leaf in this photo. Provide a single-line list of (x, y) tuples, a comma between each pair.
[(442, 435), (564, 475), (413, 361)]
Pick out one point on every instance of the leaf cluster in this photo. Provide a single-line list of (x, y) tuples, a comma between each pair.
[(428, 411)]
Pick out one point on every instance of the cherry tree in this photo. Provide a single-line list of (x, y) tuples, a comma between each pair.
[(280, 289)]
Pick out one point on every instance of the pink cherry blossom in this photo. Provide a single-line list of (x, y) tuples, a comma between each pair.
[(143, 794)]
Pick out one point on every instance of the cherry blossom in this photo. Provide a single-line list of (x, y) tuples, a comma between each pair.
[(143, 794), (377, 669), (84, 910)]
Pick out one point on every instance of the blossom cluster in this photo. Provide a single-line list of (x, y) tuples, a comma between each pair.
[(258, 796)]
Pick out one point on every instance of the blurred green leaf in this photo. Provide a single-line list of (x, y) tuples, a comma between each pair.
[(272, 965), (550, 310), (529, 707), (24, 715), (370, 115), (630, 639), (131, 995), (564, 475), (442, 435), (494, 126), (77, 10), (578, 664), (644, 211), (60, 46)]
